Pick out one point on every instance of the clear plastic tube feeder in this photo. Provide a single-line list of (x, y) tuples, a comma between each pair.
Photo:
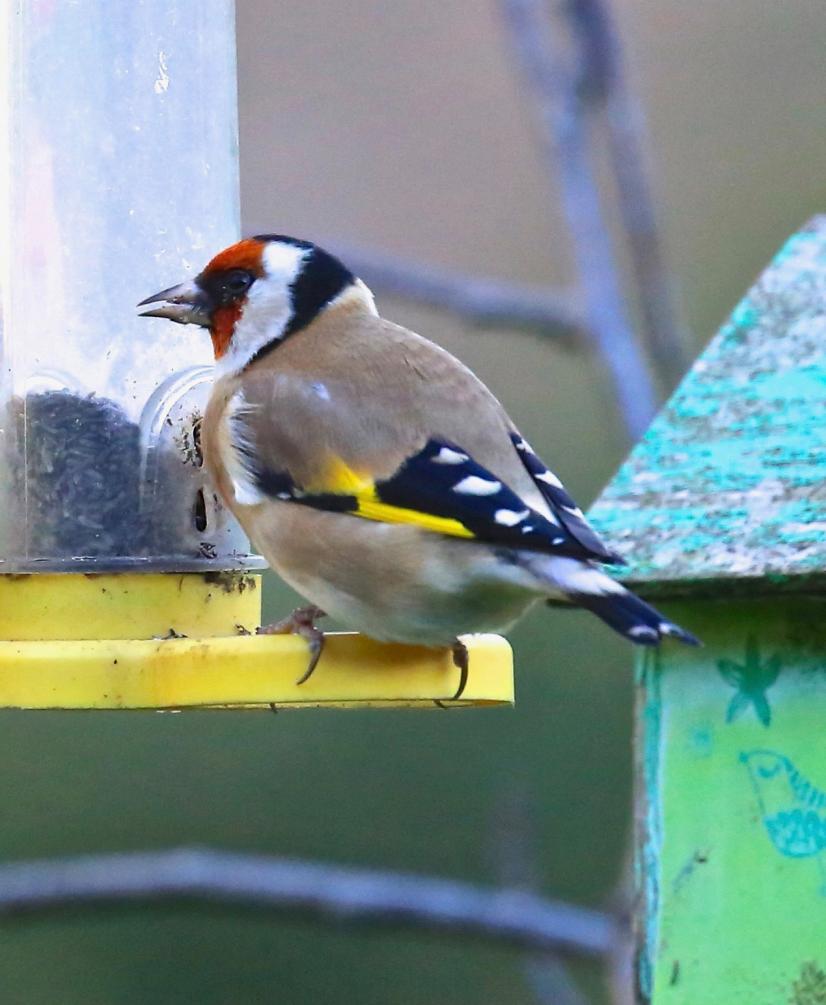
[(123, 581)]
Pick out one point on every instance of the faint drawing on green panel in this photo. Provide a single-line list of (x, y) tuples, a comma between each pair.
[(752, 678), (793, 810), (738, 895)]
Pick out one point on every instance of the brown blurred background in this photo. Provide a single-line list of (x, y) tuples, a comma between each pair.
[(402, 126)]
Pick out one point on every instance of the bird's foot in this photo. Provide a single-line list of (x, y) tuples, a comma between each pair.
[(460, 660), (301, 622)]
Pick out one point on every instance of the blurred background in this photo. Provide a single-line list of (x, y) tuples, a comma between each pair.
[(404, 127)]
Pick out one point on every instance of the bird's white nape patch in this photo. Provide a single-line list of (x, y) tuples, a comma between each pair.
[(509, 517), (358, 294), (268, 309), (448, 456), (240, 446), (473, 485)]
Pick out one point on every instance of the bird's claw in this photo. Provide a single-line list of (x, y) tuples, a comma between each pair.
[(301, 622), (460, 660)]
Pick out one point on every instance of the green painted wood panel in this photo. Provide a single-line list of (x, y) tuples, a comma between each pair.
[(726, 490), (732, 807)]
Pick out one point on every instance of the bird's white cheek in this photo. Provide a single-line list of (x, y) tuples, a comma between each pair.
[(264, 320)]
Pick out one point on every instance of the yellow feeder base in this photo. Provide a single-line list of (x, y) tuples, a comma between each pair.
[(68, 650), (40, 606)]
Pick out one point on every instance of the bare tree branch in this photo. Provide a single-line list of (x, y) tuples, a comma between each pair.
[(482, 301), (620, 964), (602, 76), (326, 893), (560, 103), (515, 860)]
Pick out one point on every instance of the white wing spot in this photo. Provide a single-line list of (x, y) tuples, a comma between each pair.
[(510, 517), (448, 456), (642, 632), (574, 511), (549, 478), (558, 540), (473, 485)]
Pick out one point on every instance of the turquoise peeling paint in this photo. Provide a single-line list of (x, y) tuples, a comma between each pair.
[(728, 483)]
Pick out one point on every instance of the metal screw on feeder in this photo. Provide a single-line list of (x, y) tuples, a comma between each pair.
[(722, 508), (115, 172)]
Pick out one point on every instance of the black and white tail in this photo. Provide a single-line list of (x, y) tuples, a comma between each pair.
[(587, 586), (627, 614)]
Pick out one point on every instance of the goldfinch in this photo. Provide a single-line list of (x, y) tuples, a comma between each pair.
[(374, 471)]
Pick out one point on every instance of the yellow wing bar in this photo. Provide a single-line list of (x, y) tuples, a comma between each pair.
[(341, 480)]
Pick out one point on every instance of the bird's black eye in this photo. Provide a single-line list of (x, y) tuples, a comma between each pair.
[(235, 284)]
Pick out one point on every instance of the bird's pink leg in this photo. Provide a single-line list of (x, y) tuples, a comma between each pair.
[(301, 622)]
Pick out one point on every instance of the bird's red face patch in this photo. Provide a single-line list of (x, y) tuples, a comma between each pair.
[(246, 254), (223, 325)]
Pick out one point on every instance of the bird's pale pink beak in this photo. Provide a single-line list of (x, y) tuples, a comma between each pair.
[(186, 304)]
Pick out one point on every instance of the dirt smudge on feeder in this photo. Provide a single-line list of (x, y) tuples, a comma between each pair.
[(188, 440), (231, 582)]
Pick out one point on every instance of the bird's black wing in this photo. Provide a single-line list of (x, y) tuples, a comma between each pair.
[(562, 505)]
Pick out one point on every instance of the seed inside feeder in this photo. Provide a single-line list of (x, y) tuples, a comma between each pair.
[(79, 484)]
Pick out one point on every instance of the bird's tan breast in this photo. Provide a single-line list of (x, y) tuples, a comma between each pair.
[(216, 439)]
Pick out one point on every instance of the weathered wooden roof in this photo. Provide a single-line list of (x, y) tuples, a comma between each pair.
[(727, 489)]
